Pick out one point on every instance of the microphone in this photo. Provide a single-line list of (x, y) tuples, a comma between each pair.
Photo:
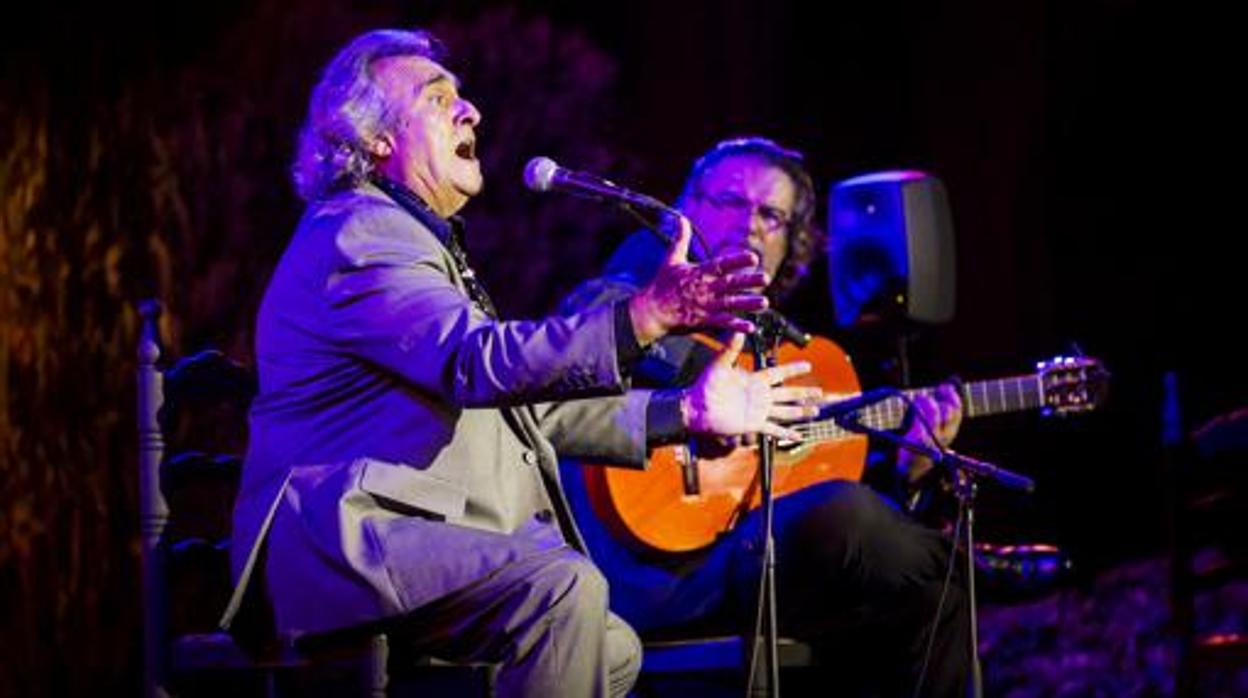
[(847, 409), (778, 324), (543, 174)]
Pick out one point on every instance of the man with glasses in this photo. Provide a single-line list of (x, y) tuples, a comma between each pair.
[(854, 576)]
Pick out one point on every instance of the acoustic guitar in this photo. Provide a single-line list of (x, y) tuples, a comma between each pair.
[(682, 502)]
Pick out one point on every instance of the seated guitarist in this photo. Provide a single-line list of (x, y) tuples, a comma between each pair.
[(855, 577)]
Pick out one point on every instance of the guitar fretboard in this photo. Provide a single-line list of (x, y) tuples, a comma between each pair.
[(980, 399)]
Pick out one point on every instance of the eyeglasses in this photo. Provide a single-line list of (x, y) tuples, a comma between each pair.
[(774, 220)]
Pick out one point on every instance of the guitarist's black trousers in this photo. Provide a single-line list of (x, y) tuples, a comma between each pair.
[(855, 577)]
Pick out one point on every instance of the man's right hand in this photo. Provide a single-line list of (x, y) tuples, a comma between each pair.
[(686, 296)]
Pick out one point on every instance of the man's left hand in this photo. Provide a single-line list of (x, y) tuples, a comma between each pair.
[(729, 401)]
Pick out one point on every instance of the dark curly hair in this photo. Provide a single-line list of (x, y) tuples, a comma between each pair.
[(804, 238)]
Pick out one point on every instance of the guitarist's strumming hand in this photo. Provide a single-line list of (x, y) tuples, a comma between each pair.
[(685, 296), (939, 415), (731, 402)]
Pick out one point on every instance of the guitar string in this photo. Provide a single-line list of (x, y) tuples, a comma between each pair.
[(1014, 393)]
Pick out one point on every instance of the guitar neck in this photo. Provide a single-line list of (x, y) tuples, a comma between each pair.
[(1013, 394), (979, 399)]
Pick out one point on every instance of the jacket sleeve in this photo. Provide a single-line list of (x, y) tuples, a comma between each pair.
[(389, 295), (672, 362), (618, 431), (609, 429)]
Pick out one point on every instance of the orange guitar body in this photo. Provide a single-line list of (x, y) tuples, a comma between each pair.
[(654, 507), (681, 503)]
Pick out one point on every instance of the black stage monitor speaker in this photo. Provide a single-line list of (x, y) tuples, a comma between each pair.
[(890, 249)]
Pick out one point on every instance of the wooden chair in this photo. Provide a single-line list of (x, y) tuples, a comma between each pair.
[(197, 408)]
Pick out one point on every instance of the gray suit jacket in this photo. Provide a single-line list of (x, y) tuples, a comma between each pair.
[(403, 443)]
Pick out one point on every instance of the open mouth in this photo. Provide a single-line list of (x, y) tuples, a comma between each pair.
[(467, 150)]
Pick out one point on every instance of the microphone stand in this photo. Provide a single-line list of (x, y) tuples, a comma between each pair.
[(763, 342), (770, 328), (965, 470)]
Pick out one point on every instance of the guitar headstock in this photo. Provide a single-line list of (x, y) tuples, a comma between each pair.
[(1072, 384)]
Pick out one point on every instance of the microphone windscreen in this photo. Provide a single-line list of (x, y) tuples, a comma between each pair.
[(539, 173)]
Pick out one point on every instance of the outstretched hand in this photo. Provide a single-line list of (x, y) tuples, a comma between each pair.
[(729, 401), (686, 296)]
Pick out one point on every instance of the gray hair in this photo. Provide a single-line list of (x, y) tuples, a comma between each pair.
[(348, 110)]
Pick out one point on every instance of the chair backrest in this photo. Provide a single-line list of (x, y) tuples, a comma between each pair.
[(153, 510), (192, 426), (192, 430)]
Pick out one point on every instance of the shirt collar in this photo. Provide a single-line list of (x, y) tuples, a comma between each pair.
[(444, 228)]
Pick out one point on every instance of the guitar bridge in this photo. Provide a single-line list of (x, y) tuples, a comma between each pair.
[(689, 479)]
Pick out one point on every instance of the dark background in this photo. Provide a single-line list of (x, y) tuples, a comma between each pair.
[(144, 151)]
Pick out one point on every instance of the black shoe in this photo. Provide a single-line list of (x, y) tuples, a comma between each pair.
[(1018, 571)]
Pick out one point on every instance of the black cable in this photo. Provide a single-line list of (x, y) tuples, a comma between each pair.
[(940, 605), (654, 227)]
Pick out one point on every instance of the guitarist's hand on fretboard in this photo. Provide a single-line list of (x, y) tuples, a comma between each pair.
[(935, 420)]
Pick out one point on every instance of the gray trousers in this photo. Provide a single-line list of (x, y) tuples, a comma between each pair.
[(544, 617)]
